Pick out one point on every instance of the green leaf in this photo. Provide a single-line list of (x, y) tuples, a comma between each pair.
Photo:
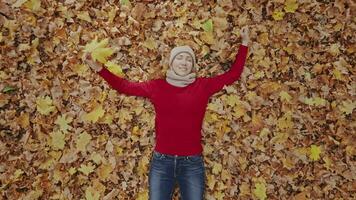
[(260, 191), (8, 89), (314, 152), (125, 2), (208, 25)]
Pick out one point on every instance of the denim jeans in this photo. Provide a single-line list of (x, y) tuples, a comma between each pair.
[(166, 170)]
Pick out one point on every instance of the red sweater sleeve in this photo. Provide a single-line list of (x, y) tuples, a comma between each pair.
[(216, 83), (143, 89)]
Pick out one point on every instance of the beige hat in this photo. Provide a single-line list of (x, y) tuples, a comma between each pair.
[(176, 50)]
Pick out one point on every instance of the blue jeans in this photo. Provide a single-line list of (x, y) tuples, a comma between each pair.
[(166, 170)]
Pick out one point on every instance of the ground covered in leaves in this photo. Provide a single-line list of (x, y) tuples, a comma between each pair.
[(285, 130)]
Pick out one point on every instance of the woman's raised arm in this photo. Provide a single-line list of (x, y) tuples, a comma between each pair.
[(216, 83), (143, 89)]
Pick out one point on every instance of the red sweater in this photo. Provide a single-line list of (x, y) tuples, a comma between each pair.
[(179, 110)]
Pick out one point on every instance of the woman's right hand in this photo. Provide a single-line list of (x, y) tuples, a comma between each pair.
[(94, 65)]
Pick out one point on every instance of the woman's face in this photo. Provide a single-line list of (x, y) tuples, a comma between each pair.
[(182, 64)]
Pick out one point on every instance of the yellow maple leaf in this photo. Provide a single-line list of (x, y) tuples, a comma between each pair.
[(96, 157), (232, 100), (57, 140), (125, 2), (142, 195), (94, 115), (278, 15), (62, 122), (17, 174), (290, 6), (80, 69), (207, 37), (285, 96), (347, 106), (319, 101), (260, 191), (92, 194), (150, 43), (33, 5), (314, 152), (98, 50), (285, 122), (72, 170), (111, 14), (219, 195), (143, 166), (18, 3), (244, 189), (86, 169), (44, 105), (103, 171), (82, 141), (217, 167), (84, 15), (211, 181), (114, 68)]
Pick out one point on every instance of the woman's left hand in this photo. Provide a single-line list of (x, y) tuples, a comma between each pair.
[(244, 33)]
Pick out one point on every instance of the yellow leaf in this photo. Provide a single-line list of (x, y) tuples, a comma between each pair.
[(84, 15), (33, 5), (142, 195), (285, 122), (92, 194), (347, 106), (211, 181), (217, 167), (101, 54), (80, 69), (337, 74), (62, 122), (150, 43), (114, 68), (18, 3), (328, 162), (245, 189), (290, 6), (57, 140), (94, 115), (96, 157), (82, 141), (314, 152), (72, 170), (98, 50), (219, 195), (17, 174), (232, 100), (285, 96), (111, 15), (319, 101), (125, 2), (278, 15), (207, 37), (86, 169), (104, 171), (44, 105), (260, 191), (143, 166), (334, 49), (23, 120)]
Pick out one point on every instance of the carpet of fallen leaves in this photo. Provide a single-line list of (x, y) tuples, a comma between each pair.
[(285, 130)]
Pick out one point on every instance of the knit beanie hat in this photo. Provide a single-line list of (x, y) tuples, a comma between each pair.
[(175, 79), (176, 50)]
